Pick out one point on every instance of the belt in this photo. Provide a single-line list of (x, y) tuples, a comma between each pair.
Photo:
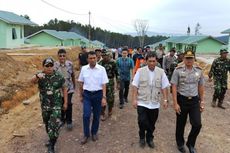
[(189, 98), (92, 92)]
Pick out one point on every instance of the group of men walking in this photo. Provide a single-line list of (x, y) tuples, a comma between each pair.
[(100, 73)]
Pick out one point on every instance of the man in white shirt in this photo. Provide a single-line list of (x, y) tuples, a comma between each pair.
[(148, 84), (93, 79)]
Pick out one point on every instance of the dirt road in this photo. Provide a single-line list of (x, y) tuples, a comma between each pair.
[(118, 134)]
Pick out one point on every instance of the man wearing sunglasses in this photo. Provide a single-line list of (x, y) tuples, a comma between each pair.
[(51, 84), (188, 99), (65, 67)]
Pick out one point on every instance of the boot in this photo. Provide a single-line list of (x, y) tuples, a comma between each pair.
[(220, 105), (51, 146), (214, 102)]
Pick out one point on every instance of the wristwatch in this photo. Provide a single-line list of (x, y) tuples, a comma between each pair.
[(104, 97)]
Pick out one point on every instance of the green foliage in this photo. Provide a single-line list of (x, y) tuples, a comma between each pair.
[(111, 39)]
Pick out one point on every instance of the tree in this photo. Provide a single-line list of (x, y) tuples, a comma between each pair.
[(141, 27)]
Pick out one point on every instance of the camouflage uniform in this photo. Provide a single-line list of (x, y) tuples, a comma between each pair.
[(51, 102), (219, 71), (174, 64), (112, 71)]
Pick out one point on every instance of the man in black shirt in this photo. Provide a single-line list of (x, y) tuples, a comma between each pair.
[(82, 57)]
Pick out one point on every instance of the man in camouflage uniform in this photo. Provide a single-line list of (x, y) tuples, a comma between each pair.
[(168, 60), (50, 83), (175, 63), (111, 69), (219, 71)]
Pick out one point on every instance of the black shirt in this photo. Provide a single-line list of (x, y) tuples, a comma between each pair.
[(83, 59)]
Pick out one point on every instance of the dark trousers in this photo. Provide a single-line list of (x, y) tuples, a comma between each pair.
[(160, 60), (124, 91), (189, 107), (66, 116), (91, 103), (146, 121)]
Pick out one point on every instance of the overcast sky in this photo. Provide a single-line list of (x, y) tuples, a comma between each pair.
[(164, 16)]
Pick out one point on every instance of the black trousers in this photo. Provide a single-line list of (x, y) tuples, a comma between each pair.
[(146, 121), (66, 116), (124, 91), (189, 107)]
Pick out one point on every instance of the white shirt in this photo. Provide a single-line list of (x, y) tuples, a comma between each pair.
[(164, 82), (93, 78)]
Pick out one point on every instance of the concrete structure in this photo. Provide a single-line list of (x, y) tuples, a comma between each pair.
[(12, 29), (55, 38), (98, 44), (227, 32), (201, 44)]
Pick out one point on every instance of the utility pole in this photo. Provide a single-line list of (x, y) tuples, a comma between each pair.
[(89, 28)]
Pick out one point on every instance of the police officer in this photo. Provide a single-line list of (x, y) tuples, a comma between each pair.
[(50, 83), (219, 71), (82, 57), (111, 69), (188, 99)]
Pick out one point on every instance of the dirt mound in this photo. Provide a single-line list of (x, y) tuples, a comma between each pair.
[(9, 70), (18, 67)]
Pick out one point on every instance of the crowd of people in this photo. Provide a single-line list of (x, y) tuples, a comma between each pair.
[(152, 75)]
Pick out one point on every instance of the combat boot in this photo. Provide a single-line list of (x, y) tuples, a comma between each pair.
[(51, 146), (214, 102), (220, 105)]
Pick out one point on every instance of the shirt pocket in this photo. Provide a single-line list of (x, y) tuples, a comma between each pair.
[(158, 83), (182, 78)]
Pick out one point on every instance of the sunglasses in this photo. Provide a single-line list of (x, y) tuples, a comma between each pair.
[(61, 55), (49, 65)]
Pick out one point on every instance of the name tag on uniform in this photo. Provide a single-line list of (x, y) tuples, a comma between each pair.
[(49, 92)]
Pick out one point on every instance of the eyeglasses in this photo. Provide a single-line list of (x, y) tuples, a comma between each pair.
[(49, 65), (61, 55)]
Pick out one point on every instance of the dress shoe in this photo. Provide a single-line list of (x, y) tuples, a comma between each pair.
[(221, 106), (94, 137), (181, 149), (142, 143), (191, 149), (121, 106), (151, 144), (84, 140)]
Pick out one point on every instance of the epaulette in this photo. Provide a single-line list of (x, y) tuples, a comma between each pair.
[(198, 67), (180, 65)]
